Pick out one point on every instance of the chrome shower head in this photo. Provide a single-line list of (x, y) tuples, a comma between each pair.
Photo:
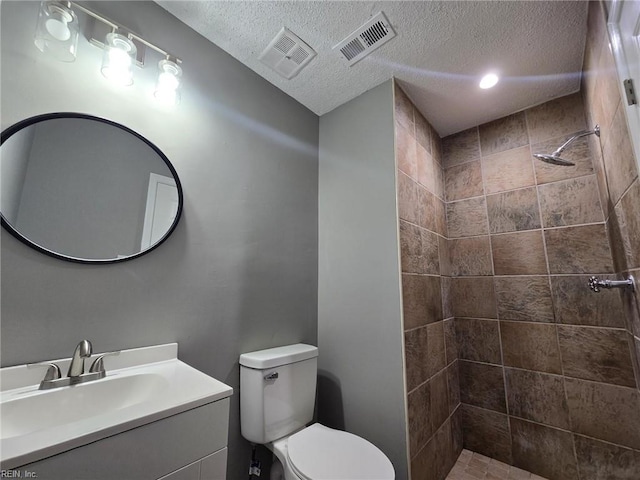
[(555, 159)]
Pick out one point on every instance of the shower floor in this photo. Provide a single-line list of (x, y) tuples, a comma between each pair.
[(473, 466)]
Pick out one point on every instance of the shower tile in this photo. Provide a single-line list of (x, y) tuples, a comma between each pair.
[(406, 151), (603, 411), (478, 340), (407, 198), (543, 450), (435, 460), (503, 134), (486, 432), (628, 221), (470, 256), (436, 357), (576, 304), (532, 346), (403, 108), (508, 170), (619, 160), (453, 383), (537, 396), (526, 299), (562, 116), (436, 147), (583, 249), (482, 385), (578, 153), (439, 404), (418, 250), (447, 304), (422, 300), (445, 264), (461, 147), (513, 211), (597, 354), (450, 340), (598, 460), (467, 218), (423, 131), (425, 208), (456, 432), (438, 179), (425, 169), (416, 356), (570, 202), (419, 407), (463, 181), (440, 223), (473, 297), (519, 253)]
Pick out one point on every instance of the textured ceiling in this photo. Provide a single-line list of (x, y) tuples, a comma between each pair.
[(441, 50)]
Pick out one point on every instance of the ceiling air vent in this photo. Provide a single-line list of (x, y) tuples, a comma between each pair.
[(373, 34), (287, 54)]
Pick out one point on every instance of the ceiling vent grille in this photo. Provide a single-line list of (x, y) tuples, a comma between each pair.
[(373, 34), (287, 54)]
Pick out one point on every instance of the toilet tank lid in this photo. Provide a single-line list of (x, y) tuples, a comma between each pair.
[(274, 357)]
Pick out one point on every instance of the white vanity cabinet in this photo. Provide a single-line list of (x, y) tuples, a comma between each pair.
[(188, 446)]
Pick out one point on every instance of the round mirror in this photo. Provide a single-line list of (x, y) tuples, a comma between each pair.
[(85, 189)]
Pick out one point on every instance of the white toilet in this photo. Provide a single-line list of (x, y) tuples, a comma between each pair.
[(277, 397)]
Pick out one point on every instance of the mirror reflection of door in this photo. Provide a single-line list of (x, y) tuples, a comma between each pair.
[(162, 207), (624, 32)]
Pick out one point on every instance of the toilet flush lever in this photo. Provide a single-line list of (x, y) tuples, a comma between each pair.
[(271, 376)]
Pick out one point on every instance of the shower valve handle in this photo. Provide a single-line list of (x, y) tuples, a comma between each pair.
[(596, 284)]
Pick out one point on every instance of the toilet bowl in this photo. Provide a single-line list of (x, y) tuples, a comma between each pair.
[(277, 398), (321, 453)]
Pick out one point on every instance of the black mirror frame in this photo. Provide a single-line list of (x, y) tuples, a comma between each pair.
[(8, 132)]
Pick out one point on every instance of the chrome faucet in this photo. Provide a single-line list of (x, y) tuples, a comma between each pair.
[(76, 367), (75, 375)]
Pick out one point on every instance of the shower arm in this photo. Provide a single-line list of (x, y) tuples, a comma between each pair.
[(561, 148)]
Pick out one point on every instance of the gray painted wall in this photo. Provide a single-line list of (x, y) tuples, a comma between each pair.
[(240, 271), (359, 301)]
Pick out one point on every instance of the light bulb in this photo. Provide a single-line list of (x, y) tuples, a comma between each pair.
[(489, 80), (168, 82), (57, 28), (117, 61)]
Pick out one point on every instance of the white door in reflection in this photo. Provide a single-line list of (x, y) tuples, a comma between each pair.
[(162, 206)]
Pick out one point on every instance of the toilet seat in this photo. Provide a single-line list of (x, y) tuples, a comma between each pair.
[(321, 453)]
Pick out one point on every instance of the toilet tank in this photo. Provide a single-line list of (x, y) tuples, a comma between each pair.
[(277, 391)]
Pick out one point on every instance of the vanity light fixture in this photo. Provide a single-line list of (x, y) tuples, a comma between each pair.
[(57, 30), (168, 84), (118, 59), (57, 34), (489, 80)]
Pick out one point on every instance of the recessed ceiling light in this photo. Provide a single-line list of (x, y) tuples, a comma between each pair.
[(489, 80)]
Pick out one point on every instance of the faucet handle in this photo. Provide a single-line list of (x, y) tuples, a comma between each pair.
[(53, 371), (98, 364)]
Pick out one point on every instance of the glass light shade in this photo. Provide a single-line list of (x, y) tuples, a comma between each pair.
[(118, 59), (168, 83), (57, 31)]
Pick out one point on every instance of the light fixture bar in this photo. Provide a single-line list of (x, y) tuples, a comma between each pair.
[(115, 27)]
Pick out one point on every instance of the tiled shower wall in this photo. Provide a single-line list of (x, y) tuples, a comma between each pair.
[(614, 163), (547, 380), (435, 432)]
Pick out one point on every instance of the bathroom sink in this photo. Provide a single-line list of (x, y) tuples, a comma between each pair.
[(142, 385)]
